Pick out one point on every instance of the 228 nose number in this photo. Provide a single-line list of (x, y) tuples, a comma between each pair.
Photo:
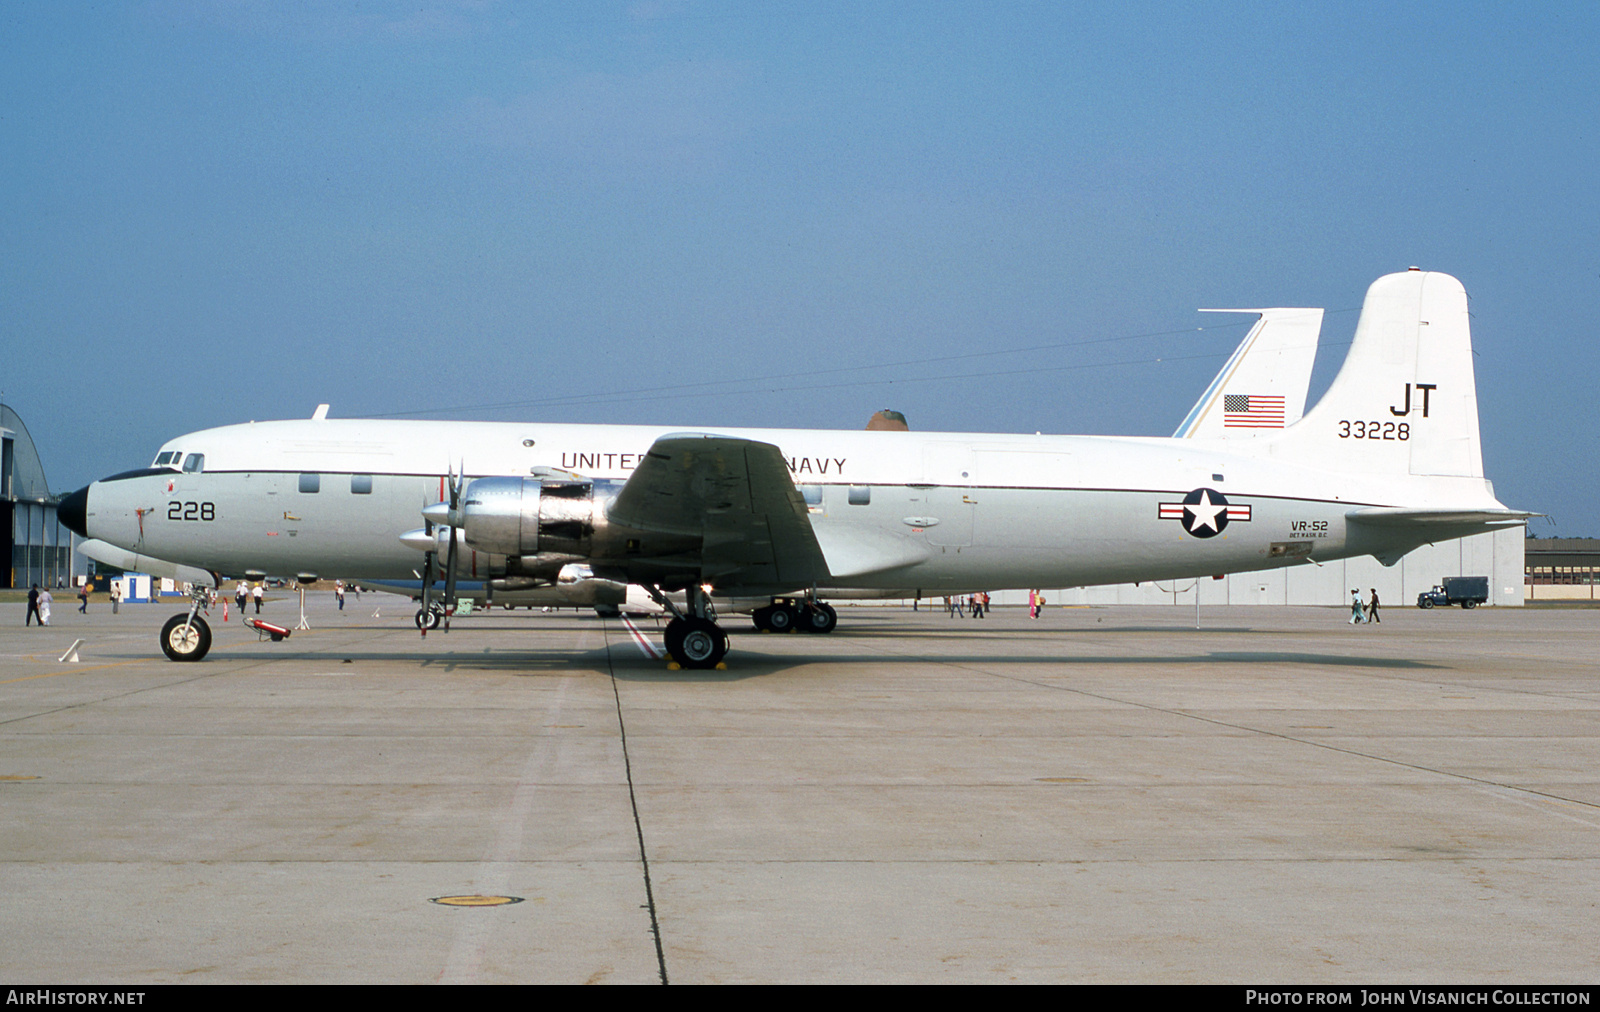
[(191, 511)]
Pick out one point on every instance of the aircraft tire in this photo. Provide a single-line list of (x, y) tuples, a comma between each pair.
[(180, 644), (818, 618), (673, 635), (700, 645), (428, 618), (782, 618)]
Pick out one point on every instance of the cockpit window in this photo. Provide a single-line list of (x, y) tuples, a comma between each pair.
[(163, 459), (194, 462)]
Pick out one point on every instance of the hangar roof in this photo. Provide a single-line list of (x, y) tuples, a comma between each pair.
[(23, 476)]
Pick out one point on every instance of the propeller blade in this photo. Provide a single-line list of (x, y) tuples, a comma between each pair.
[(450, 581), (450, 554), (427, 571)]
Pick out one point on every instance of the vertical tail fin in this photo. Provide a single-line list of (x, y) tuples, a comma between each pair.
[(1405, 402), (1262, 387)]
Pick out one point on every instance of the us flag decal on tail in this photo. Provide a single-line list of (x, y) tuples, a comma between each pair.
[(1252, 411)]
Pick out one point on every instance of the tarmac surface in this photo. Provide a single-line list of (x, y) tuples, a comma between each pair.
[(1100, 795)]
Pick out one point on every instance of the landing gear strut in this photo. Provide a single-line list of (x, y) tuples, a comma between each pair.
[(695, 640)]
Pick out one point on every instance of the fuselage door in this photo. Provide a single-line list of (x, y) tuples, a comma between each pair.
[(949, 472)]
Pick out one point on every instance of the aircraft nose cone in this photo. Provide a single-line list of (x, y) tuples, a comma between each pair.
[(74, 512)]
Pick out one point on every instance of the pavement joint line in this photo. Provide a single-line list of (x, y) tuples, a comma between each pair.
[(1270, 734), (633, 800)]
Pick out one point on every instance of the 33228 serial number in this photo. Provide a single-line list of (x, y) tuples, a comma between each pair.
[(1374, 430)]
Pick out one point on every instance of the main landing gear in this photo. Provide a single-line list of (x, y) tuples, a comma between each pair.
[(187, 637), (694, 640), (787, 613)]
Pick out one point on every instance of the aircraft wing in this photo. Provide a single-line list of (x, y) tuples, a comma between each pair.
[(737, 496)]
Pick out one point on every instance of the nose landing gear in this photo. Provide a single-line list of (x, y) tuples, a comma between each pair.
[(187, 637)]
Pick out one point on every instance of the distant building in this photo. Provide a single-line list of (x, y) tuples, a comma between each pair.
[(1497, 555), (1562, 568), (37, 549)]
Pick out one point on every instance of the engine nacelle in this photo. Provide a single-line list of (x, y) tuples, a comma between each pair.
[(523, 517)]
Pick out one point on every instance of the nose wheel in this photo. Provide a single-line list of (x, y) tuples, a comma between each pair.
[(185, 638), (429, 618)]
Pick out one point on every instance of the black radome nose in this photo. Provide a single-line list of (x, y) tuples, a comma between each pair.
[(74, 512)]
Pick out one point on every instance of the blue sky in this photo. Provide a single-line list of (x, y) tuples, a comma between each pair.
[(988, 216)]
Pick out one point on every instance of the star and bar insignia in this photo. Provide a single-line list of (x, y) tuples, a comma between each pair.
[(1204, 513)]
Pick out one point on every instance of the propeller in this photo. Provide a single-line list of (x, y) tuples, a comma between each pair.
[(446, 515), (427, 576), (456, 481)]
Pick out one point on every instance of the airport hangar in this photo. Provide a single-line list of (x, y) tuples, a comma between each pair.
[(37, 549)]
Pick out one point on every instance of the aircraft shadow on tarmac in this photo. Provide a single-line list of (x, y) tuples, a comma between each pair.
[(744, 664), (622, 658)]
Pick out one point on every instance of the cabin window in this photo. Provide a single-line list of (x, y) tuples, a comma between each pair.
[(311, 483), (860, 495), (361, 484), (194, 463), (812, 494)]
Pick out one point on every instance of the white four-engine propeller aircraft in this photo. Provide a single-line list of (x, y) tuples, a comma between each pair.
[(1387, 461)]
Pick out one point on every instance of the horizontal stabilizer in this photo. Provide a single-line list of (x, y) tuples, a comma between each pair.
[(1422, 518)]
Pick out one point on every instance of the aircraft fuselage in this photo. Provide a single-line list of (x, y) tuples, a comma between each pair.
[(891, 509)]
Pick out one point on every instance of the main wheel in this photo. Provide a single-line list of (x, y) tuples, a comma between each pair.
[(673, 637), (818, 618), (781, 618), (700, 644), (429, 618), (183, 639)]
